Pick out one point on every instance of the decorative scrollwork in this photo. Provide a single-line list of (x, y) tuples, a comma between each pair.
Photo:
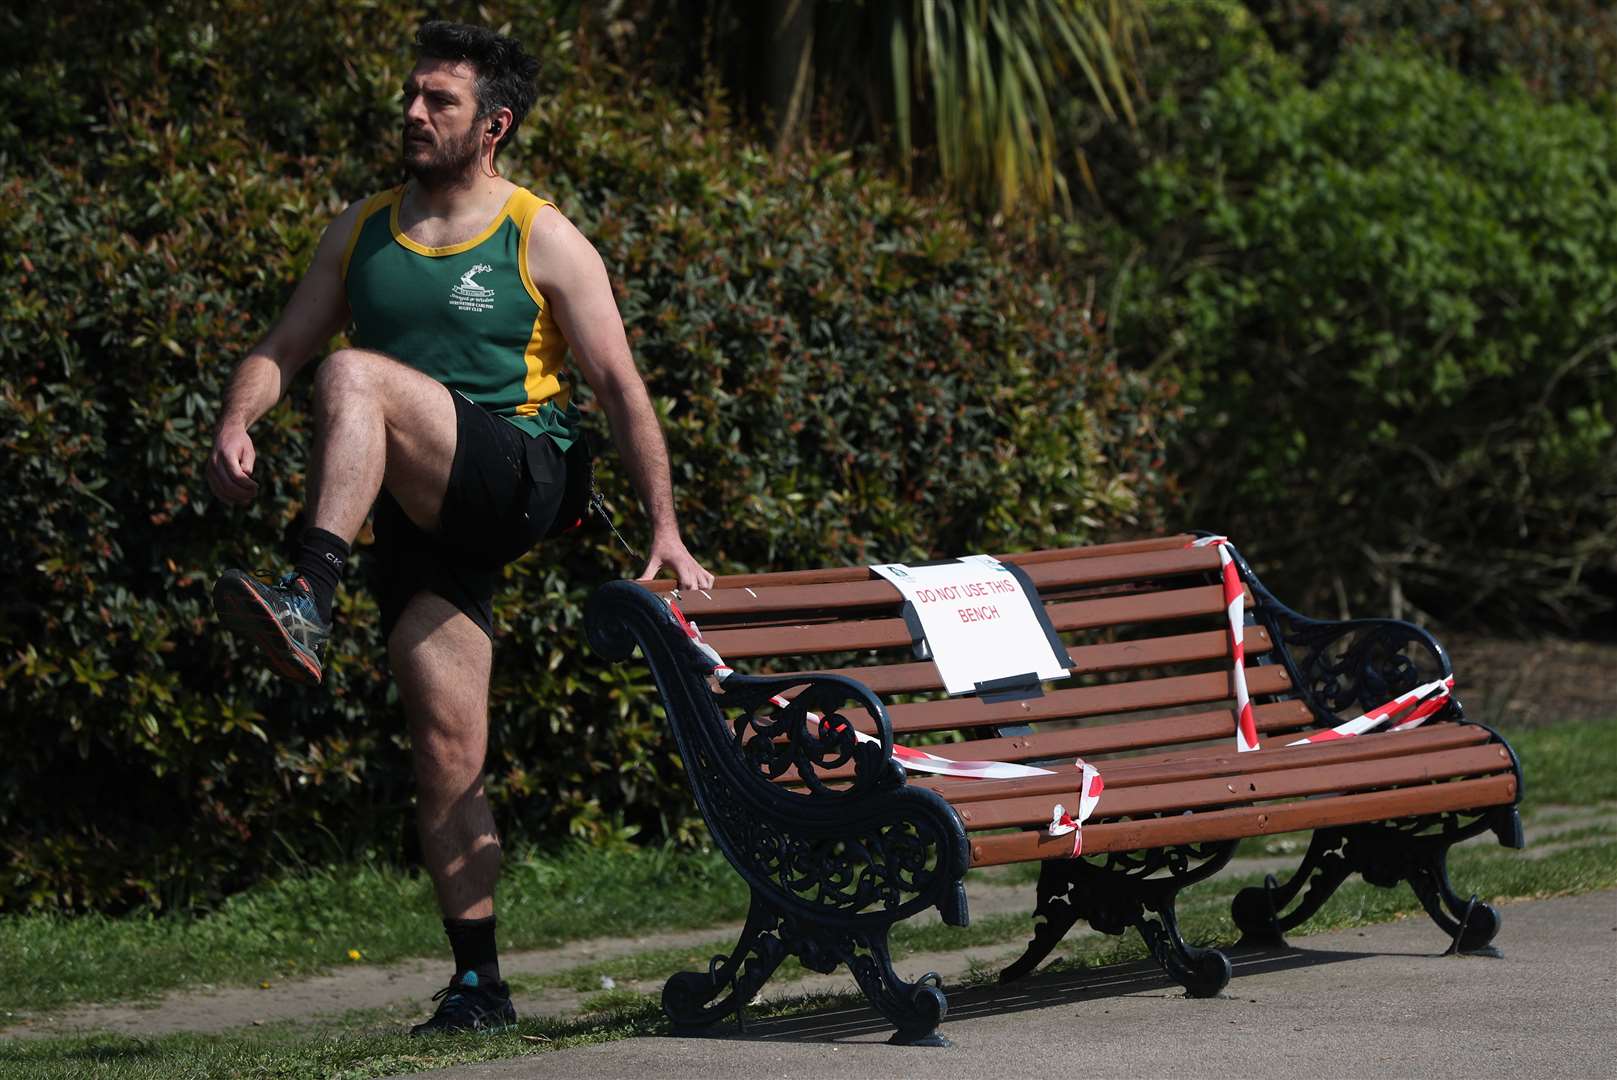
[(856, 848), (1364, 663), (1413, 849), (1175, 860), (689, 997), (891, 863), (812, 733), (698, 999), (915, 1008), (1350, 666), (1117, 890)]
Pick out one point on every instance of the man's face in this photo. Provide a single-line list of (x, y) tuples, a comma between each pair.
[(441, 138)]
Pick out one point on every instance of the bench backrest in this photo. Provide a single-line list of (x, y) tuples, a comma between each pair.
[(1145, 624)]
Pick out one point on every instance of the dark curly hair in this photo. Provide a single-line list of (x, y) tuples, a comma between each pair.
[(506, 74)]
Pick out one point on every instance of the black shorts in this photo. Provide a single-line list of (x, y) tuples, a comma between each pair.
[(507, 491)]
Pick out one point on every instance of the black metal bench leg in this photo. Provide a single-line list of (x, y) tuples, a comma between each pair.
[(1202, 972), (1054, 914), (1412, 852), (1385, 855), (688, 997), (915, 1008), (1257, 911), (1470, 923), (1121, 893)]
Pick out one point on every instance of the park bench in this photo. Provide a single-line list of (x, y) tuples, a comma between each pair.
[(796, 763)]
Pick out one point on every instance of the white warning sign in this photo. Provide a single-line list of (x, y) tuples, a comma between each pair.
[(984, 630)]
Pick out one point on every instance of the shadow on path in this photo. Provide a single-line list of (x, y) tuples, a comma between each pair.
[(1042, 990)]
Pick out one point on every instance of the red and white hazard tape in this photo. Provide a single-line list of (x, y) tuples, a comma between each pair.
[(1421, 702), (721, 670), (1414, 706), (1061, 822), (970, 770), (1246, 726), (1089, 789)]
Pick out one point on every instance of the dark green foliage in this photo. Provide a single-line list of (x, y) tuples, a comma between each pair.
[(1562, 49), (847, 374), (1392, 301)]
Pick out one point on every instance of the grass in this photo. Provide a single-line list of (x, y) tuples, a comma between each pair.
[(307, 921), (359, 1044), (658, 964), (1567, 765)]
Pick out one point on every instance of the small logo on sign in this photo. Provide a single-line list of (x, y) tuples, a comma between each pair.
[(469, 295)]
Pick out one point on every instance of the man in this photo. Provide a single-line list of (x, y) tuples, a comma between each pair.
[(452, 414)]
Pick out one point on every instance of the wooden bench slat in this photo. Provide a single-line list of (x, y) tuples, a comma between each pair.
[(1119, 737), (1128, 735), (1249, 786), (969, 712), (862, 573), (805, 639), (1208, 762), (1089, 659), (1241, 822), (1122, 547), (723, 606), (1176, 649)]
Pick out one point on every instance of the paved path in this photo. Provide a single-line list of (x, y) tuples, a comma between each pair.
[(407, 985), (1374, 1002)]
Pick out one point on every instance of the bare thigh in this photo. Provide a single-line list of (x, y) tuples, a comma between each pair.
[(418, 414)]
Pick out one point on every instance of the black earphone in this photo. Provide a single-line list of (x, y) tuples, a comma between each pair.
[(494, 128)]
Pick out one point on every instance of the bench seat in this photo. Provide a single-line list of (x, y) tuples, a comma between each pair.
[(792, 762)]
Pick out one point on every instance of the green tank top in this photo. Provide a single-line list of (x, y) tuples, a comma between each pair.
[(468, 315)]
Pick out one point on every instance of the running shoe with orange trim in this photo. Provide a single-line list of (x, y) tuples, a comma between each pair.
[(281, 619)]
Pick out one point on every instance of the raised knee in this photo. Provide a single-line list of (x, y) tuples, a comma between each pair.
[(346, 372)]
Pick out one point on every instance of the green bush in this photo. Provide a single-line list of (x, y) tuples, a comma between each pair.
[(1562, 49), (846, 374), (1391, 301)]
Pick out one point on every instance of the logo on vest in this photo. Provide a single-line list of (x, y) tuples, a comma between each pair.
[(469, 295)]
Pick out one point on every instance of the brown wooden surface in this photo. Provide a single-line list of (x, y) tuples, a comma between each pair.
[(1247, 787), (805, 639), (726, 606), (1203, 762), (1118, 737), (969, 712), (862, 573), (1124, 736), (1247, 821), (1087, 659)]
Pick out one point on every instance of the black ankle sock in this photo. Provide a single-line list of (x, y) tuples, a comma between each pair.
[(473, 943), (320, 562)]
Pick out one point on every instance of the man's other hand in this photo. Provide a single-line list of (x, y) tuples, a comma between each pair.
[(230, 467), (670, 554)]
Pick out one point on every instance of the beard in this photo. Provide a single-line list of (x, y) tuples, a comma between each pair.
[(441, 165)]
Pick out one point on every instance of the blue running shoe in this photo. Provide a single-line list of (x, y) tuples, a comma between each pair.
[(469, 1004), (281, 619)]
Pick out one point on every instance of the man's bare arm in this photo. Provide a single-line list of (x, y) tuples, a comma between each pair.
[(317, 310), (570, 275)]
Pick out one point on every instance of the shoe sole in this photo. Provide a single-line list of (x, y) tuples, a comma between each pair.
[(242, 611)]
